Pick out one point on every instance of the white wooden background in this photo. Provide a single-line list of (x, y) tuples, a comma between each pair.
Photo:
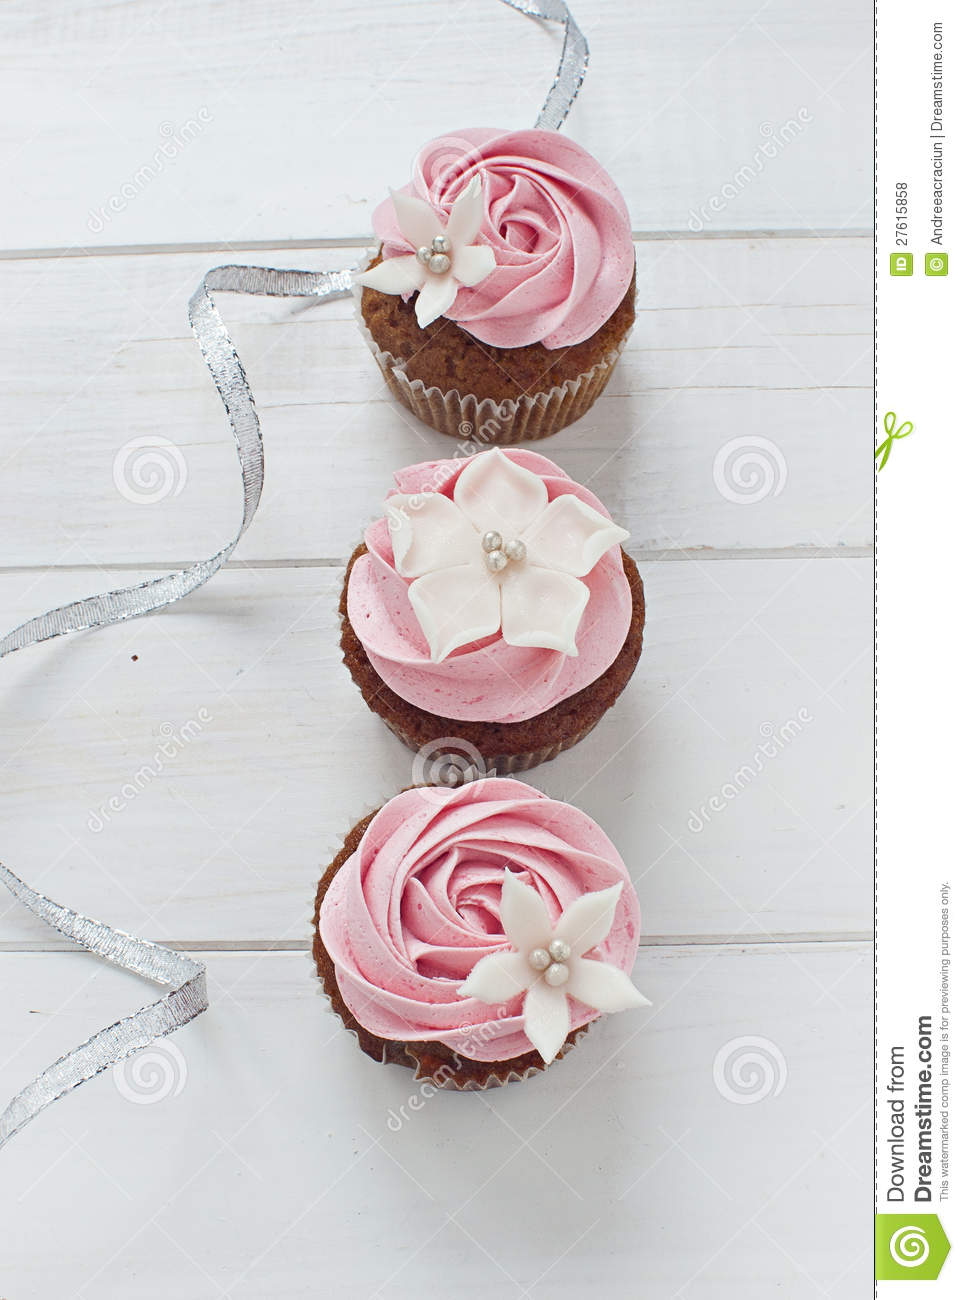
[(277, 1159)]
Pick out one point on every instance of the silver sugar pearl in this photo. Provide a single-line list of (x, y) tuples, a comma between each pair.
[(539, 959), (424, 255), (557, 974), (559, 950), (440, 244), (439, 263), (492, 541), (496, 560), (515, 549)]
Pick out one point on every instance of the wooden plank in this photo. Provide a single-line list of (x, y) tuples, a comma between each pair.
[(271, 755), (240, 121), (274, 1153), (735, 339)]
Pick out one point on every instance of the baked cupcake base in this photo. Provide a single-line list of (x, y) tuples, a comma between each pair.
[(432, 1062), (472, 390), (505, 747)]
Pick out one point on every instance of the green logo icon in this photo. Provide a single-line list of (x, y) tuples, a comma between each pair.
[(902, 263), (909, 1247), (935, 264), (882, 453)]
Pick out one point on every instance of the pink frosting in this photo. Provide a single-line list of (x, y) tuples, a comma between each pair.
[(555, 220), (417, 905), (488, 680)]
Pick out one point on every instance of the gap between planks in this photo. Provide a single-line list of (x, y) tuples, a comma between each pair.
[(339, 562), (361, 241), (304, 945)]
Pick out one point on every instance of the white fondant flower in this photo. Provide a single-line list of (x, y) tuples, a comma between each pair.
[(499, 554), (547, 963), (446, 256)]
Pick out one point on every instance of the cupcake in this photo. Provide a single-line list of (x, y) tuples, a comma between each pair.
[(492, 606), (503, 288), (473, 933)]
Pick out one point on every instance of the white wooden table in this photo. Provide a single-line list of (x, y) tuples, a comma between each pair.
[(277, 1159)]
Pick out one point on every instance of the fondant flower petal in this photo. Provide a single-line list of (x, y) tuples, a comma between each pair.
[(465, 218), (435, 298), (524, 917), (455, 606), (470, 265), (429, 532), (604, 987), (395, 275), (542, 607), (588, 919), (499, 977), (546, 1019), (571, 536), (497, 493), (417, 220)]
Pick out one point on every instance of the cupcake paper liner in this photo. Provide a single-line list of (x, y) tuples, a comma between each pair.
[(501, 764), (483, 420)]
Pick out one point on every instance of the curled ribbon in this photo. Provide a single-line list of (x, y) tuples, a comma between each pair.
[(572, 63), (188, 997)]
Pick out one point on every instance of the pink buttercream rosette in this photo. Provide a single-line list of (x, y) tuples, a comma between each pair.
[(564, 258), (415, 909)]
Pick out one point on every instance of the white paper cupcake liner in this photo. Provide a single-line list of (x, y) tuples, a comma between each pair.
[(482, 420)]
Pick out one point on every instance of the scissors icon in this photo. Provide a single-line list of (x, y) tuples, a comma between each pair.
[(882, 454)]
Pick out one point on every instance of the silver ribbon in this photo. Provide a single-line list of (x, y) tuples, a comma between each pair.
[(186, 977), (572, 64), (187, 999)]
